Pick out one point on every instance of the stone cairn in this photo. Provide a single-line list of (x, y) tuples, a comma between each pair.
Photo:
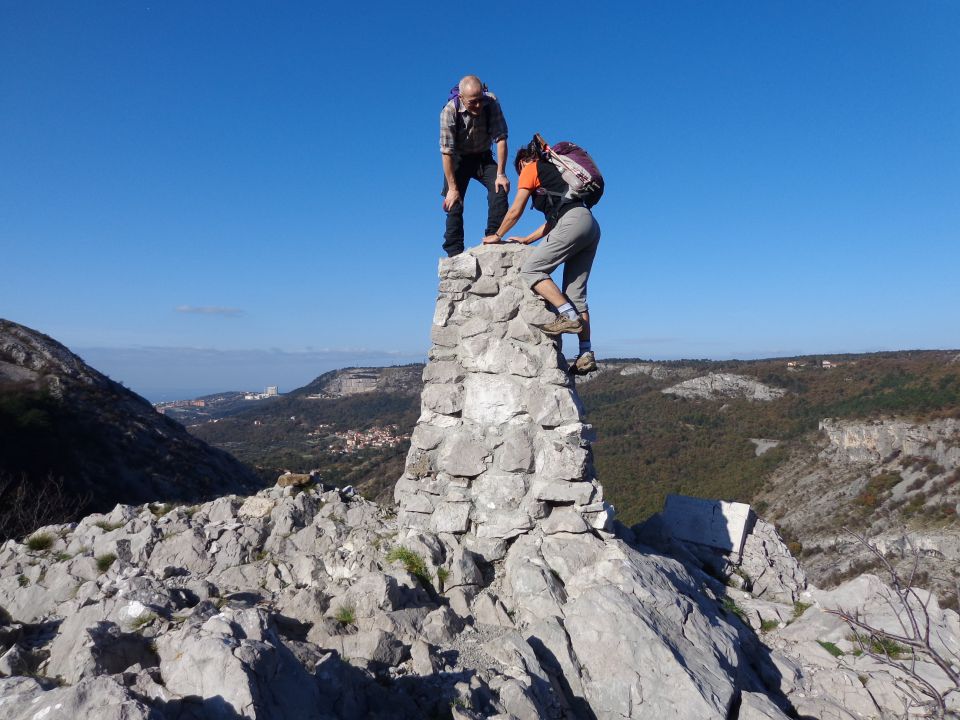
[(500, 446)]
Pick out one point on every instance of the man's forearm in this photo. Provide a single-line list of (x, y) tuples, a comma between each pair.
[(502, 157), (448, 171)]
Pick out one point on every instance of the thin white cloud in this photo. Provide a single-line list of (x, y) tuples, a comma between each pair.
[(209, 310)]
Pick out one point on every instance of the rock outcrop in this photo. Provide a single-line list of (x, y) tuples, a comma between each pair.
[(725, 386), (897, 481), (875, 441)]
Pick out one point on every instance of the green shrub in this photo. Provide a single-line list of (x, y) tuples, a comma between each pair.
[(879, 644), (109, 526), (917, 484), (105, 561), (40, 542), (730, 606), (877, 490), (346, 615), (799, 608), (830, 648), (412, 563), (914, 504), (23, 581), (442, 575), (811, 550), (768, 625), (62, 556), (143, 620)]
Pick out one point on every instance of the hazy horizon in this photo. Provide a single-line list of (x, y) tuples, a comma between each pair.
[(167, 374)]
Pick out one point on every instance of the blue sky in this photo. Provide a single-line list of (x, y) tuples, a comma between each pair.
[(199, 196)]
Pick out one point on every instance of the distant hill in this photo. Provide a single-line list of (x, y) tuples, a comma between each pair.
[(212, 407), (73, 441), (720, 430), (298, 430), (346, 382), (651, 443)]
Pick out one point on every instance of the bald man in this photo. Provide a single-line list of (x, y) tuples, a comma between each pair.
[(469, 125)]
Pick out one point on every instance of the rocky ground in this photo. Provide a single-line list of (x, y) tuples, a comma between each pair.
[(297, 603), (499, 586), (284, 604)]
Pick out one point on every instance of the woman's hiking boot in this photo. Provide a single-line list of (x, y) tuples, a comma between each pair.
[(562, 324), (585, 363)]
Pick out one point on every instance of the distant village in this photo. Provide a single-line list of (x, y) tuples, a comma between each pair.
[(825, 364), (180, 405), (271, 391), (344, 441), (352, 441)]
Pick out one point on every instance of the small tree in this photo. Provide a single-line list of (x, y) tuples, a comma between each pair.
[(913, 615), (27, 504)]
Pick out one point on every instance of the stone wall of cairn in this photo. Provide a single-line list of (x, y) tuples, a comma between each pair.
[(500, 446)]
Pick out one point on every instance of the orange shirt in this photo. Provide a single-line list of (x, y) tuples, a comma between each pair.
[(529, 179)]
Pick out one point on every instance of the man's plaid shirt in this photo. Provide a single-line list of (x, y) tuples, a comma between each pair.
[(469, 134)]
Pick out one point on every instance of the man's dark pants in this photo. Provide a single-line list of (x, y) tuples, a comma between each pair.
[(480, 167)]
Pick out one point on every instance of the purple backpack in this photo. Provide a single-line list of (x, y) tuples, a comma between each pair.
[(577, 168)]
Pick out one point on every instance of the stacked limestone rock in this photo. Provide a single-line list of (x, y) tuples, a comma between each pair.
[(500, 446), (499, 486), (499, 474)]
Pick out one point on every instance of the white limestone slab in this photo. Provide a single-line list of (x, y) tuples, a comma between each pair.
[(714, 523)]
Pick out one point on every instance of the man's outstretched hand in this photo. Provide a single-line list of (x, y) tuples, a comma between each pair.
[(503, 182), (491, 240)]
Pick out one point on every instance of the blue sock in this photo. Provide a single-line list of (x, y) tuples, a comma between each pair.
[(584, 346), (568, 310)]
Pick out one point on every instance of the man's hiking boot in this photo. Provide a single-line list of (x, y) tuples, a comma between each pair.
[(563, 324), (585, 363)]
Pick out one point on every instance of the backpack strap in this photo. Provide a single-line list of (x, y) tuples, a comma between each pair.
[(484, 93), (486, 110)]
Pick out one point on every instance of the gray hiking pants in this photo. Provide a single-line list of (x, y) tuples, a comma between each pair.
[(573, 242)]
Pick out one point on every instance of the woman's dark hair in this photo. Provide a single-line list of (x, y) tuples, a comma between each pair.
[(525, 153)]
